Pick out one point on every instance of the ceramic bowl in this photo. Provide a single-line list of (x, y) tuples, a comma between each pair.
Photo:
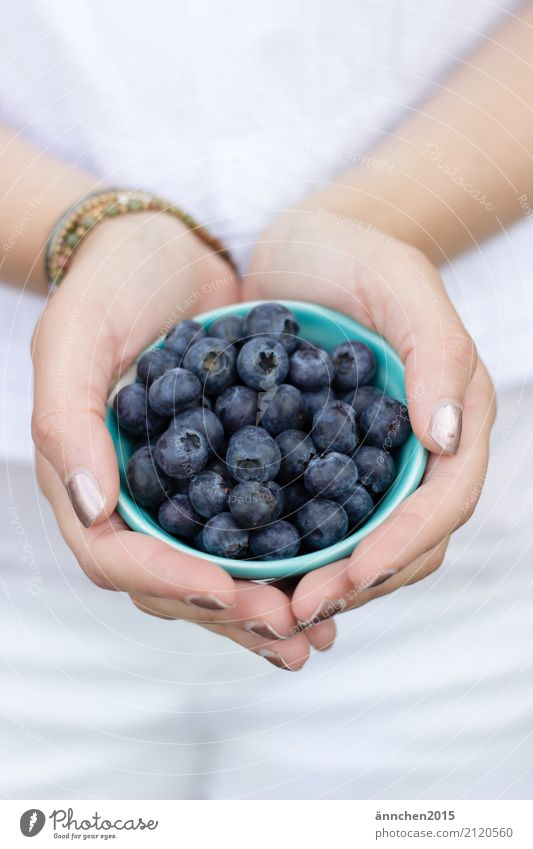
[(326, 328)]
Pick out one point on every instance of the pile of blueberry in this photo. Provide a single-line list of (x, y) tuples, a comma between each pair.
[(255, 443)]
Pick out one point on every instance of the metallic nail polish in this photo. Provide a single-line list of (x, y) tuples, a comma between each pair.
[(381, 579), (325, 610), (263, 629), (85, 496), (207, 602), (446, 424), (277, 660)]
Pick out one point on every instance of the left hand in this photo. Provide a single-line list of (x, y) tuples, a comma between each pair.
[(392, 288)]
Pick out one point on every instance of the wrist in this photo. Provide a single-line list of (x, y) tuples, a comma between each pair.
[(72, 229), (142, 253), (383, 201)]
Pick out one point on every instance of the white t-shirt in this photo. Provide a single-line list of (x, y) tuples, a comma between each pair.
[(235, 109)]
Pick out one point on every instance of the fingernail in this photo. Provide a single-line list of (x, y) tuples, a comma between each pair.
[(85, 497), (381, 579), (277, 660), (325, 610), (446, 423), (208, 602), (263, 629)]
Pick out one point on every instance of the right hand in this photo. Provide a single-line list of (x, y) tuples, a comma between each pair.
[(392, 288), (131, 280)]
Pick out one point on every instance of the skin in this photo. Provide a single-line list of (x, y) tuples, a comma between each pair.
[(365, 245)]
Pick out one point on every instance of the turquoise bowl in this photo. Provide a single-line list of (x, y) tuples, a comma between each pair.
[(326, 328)]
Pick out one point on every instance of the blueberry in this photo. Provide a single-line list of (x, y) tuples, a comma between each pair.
[(262, 363), (153, 364), (278, 493), (213, 362), (174, 391), (330, 475), (322, 523), (253, 455), (182, 335), (297, 449), (181, 452), (207, 423), (335, 428), (376, 467), (275, 542), (148, 484), (280, 408), (134, 414), (252, 505), (177, 516), (361, 397), (354, 363), (316, 400), (230, 328), (273, 319), (385, 423), (358, 506), (208, 492), (296, 496), (310, 367), (237, 407), (223, 537)]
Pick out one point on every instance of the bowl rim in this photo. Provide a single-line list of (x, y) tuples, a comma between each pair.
[(136, 519)]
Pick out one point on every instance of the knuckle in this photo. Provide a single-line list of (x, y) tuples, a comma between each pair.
[(461, 351), (94, 572), (46, 430), (469, 504)]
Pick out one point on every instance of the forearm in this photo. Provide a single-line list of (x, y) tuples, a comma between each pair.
[(36, 189), (461, 167)]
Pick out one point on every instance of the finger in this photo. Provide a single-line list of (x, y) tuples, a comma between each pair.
[(440, 358), (386, 583), (323, 596), (323, 593), (289, 654), (446, 499), (322, 637), (73, 362), (259, 609), (114, 557)]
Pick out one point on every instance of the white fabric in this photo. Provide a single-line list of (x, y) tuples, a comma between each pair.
[(236, 109), (427, 694)]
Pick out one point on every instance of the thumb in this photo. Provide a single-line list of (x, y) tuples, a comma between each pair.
[(438, 353), (73, 364)]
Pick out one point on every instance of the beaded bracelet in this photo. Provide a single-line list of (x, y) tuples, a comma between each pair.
[(80, 219)]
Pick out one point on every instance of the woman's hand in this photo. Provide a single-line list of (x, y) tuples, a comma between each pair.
[(131, 280), (317, 256)]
